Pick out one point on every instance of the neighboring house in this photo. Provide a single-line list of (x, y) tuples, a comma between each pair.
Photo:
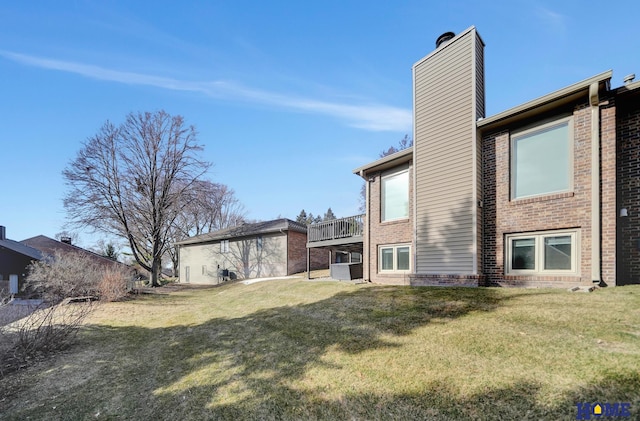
[(262, 249), (15, 259), (48, 247), (544, 194)]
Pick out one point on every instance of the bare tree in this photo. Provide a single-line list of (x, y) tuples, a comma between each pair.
[(132, 180), (210, 207)]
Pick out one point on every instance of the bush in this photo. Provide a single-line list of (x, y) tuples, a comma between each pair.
[(27, 334), (71, 275), (64, 275), (47, 329), (114, 284)]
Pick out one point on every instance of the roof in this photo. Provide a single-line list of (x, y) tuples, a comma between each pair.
[(48, 246), (543, 103), (247, 230), (629, 88), (386, 162), (20, 248)]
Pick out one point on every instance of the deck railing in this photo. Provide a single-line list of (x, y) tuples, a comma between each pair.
[(351, 226)]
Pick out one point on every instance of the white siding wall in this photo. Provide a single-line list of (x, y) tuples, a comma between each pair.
[(203, 259), (447, 102)]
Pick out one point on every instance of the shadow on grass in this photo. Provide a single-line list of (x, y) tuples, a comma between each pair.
[(244, 368)]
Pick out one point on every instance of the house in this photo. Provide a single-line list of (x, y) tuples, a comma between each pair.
[(544, 194), (49, 246), (15, 259), (250, 250)]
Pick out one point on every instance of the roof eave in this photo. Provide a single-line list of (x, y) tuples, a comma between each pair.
[(387, 162), (229, 234), (543, 103)]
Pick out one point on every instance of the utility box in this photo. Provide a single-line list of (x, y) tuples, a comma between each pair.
[(346, 271)]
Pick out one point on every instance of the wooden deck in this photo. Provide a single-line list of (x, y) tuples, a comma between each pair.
[(337, 232)]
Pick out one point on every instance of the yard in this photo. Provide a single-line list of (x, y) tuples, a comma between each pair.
[(291, 349)]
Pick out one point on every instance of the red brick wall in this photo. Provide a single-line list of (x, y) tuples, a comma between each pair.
[(629, 189), (551, 212), (297, 254), (383, 233)]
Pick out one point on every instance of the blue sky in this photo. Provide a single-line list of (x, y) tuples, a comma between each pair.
[(288, 97)]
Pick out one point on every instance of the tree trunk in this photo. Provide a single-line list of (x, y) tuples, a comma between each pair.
[(155, 272)]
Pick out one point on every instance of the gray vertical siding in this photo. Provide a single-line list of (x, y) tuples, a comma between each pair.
[(447, 102)]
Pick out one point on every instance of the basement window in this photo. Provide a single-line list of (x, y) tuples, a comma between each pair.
[(543, 253), (396, 258)]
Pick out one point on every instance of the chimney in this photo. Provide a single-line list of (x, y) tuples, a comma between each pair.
[(66, 240), (444, 38), (448, 100), (3, 232)]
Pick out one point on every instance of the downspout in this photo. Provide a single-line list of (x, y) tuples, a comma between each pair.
[(366, 238), (594, 101)]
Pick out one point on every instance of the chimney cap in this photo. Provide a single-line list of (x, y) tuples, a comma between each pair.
[(444, 38), (629, 78)]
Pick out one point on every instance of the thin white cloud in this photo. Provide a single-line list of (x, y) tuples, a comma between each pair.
[(373, 117), (552, 19)]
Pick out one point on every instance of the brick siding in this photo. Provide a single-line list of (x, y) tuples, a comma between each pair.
[(297, 254), (550, 212), (628, 188), (386, 233)]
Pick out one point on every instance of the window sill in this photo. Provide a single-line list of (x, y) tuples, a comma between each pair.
[(395, 221), (542, 198), (541, 276)]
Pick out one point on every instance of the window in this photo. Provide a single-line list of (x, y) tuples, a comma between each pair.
[(259, 243), (541, 161), (395, 258), (395, 196), (551, 252), (224, 246)]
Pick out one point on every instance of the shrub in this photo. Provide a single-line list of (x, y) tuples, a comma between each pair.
[(114, 284), (70, 275), (45, 330), (64, 275)]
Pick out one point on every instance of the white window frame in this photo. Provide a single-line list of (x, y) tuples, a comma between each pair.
[(395, 248), (532, 130), (224, 246), (538, 238), (382, 194)]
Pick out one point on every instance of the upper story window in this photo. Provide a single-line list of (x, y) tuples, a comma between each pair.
[(542, 159), (395, 196), (224, 246)]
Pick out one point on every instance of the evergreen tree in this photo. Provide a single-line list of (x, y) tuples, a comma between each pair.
[(329, 215), (302, 217)]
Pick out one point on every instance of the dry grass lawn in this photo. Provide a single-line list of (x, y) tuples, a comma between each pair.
[(291, 349)]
